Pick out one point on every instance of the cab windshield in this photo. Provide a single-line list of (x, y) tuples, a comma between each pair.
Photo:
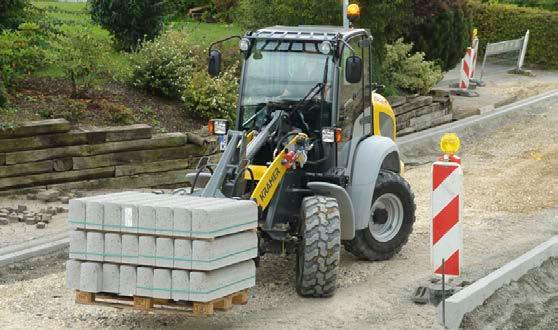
[(283, 71)]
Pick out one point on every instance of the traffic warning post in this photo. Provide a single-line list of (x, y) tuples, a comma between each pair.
[(464, 85), (475, 46), (447, 205)]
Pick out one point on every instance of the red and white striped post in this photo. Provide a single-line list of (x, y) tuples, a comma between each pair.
[(466, 74), (475, 46), (447, 205)]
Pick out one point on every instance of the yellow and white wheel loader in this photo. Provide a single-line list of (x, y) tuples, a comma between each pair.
[(314, 146)]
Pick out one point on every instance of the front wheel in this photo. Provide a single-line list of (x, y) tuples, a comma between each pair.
[(318, 252), (392, 215)]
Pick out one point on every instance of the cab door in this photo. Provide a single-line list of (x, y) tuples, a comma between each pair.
[(354, 115)]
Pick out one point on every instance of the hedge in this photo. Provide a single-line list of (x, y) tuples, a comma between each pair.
[(504, 22)]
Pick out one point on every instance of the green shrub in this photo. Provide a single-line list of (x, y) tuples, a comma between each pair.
[(254, 14), (442, 30), (129, 21), (21, 52), (12, 13), (163, 66), (410, 73), (207, 97), (80, 55), (3, 94), (504, 22), (543, 4)]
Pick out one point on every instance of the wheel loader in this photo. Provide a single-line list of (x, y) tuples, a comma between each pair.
[(314, 146)]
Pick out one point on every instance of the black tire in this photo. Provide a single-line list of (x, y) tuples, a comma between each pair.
[(364, 245), (319, 249)]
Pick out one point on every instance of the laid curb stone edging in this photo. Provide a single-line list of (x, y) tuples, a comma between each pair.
[(474, 295)]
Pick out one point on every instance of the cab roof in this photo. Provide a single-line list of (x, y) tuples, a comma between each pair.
[(305, 32)]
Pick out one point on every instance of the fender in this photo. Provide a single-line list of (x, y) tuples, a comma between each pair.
[(371, 155), (345, 205)]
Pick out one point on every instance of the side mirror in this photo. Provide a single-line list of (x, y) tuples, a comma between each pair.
[(353, 69), (214, 67)]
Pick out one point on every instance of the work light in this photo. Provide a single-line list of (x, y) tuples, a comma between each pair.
[(244, 44), (331, 135), (218, 126), (325, 47)]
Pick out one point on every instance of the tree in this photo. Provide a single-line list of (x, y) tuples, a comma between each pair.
[(129, 21), (12, 13)]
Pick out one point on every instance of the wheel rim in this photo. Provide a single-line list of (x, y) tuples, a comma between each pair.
[(386, 217)]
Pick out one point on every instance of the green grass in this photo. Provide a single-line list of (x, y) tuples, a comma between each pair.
[(198, 33), (116, 62), (203, 34)]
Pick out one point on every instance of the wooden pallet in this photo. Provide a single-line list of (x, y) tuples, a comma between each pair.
[(148, 304)]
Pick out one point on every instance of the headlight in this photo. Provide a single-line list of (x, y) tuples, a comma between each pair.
[(325, 47), (331, 135), (244, 44), (218, 126)]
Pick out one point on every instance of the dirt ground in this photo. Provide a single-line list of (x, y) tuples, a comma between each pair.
[(511, 205), (531, 302)]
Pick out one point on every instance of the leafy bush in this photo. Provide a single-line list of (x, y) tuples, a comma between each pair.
[(163, 66), (410, 73), (21, 52), (254, 14), (12, 13), (442, 30), (543, 4), (129, 21), (3, 94), (504, 22), (80, 55), (208, 97)]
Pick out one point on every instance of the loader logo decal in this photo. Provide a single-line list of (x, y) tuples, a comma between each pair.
[(268, 187)]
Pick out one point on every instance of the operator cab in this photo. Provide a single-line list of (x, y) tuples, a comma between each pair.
[(321, 78)]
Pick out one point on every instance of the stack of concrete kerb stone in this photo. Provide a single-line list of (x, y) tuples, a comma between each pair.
[(180, 248)]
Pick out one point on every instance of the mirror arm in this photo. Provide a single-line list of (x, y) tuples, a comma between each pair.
[(353, 53), (221, 41)]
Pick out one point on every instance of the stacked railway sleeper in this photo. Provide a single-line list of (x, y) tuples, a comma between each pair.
[(191, 253)]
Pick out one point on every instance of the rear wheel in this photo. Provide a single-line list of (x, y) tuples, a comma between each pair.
[(318, 252), (392, 215)]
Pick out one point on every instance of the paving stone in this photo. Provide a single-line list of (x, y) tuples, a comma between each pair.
[(64, 199), (144, 286), (40, 225), (46, 218), (180, 285), (73, 271), (4, 221), (182, 253), (22, 208), (224, 251), (162, 283), (147, 251), (128, 279), (130, 248), (48, 195), (31, 197), (95, 246), (113, 247), (207, 286), (30, 220), (164, 252), (13, 218), (91, 277), (78, 244), (61, 209), (111, 278)]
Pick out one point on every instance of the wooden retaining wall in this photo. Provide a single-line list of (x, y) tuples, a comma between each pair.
[(51, 153), (416, 113)]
